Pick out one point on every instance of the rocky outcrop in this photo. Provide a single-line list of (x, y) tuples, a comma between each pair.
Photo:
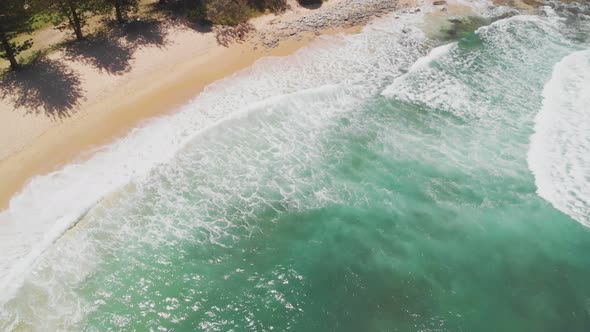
[(348, 13)]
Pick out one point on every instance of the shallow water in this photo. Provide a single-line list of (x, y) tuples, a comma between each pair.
[(385, 181)]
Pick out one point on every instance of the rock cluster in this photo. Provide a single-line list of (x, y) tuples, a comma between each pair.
[(348, 13)]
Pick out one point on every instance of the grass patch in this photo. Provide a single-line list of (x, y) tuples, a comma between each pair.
[(41, 20)]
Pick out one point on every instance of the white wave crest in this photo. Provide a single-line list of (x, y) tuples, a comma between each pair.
[(423, 62), (559, 154), (464, 78)]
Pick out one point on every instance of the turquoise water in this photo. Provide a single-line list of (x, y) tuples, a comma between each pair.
[(355, 192)]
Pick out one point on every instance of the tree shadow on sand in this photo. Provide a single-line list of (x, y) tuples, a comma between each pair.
[(112, 50), (105, 53), (43, 87), (202, 27), (143, 33), (226, 35)]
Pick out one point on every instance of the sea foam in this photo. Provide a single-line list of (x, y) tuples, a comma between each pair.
[(335, 72), (559, 154), (51, 204), (423, 62)]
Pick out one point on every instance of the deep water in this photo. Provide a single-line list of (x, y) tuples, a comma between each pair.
[(377, 182)]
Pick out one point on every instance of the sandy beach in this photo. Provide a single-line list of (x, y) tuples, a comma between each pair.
[(109, 94)]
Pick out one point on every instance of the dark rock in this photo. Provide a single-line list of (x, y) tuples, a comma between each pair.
[(439, 3)]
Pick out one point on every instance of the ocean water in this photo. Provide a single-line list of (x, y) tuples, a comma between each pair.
[(393, 180)]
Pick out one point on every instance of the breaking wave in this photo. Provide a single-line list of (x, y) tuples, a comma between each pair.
[(559, 155)]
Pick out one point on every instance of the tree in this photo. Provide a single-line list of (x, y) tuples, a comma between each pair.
[(15, 18), (72, 14), (229, 12), (122, 8)]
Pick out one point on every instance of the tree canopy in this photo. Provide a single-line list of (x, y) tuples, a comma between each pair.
[(121, 7), (70, 14), (15, 18)]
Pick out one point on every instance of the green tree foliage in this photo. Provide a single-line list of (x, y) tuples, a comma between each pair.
[(274, 6), (223, 12), (15, 18), (121, 8), (234, 12), (198, 13), (229, 12), (71, 14)]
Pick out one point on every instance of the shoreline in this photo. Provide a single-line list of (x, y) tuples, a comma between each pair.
[(80, 137), (162, 91)]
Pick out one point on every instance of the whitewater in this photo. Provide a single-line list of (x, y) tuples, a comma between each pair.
[(45, 205), (401, 178), (560, 148)]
